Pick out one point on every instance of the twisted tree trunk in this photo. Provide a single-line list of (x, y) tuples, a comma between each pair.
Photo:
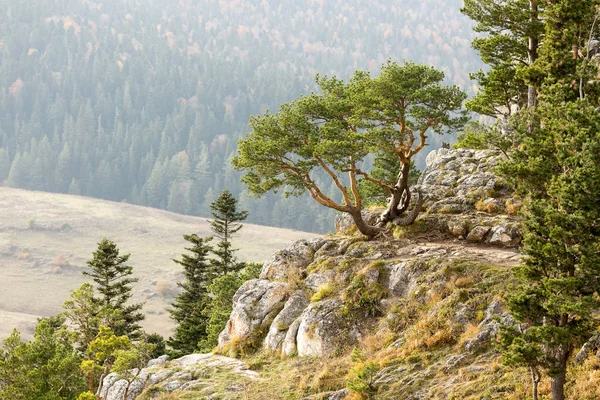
[(361, 224), (400, 201)]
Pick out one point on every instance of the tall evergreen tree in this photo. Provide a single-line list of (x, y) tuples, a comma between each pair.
[(513, 33), (557, 172), (187, 309), (113, 281), (224, 225)]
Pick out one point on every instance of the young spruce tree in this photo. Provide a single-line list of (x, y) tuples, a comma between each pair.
[(224, 225), (113, 281), (187, 310)]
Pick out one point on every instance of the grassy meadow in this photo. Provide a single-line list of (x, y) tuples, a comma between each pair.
[(46, 239)]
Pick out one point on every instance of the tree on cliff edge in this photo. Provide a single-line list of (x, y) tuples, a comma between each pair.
[(329, 134)]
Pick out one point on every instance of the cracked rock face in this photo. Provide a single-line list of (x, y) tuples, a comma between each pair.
[(298, 256), (282, 323), (255, 305), (317, 329)]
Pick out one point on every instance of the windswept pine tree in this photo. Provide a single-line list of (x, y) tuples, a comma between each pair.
[(187, 309), (113, 280), (225, 224)]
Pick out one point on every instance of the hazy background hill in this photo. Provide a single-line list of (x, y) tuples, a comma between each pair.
[(46, 239), (144, 100)]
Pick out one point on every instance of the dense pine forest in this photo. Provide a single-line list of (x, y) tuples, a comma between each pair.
[(144, 101)]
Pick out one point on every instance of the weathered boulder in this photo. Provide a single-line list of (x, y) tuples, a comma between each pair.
[(255, 305), (318, 329), (454, 180), (505, 234), (592, 346), (281, 324), (400, 279), (478, 234), (298, 256), (315, 281)]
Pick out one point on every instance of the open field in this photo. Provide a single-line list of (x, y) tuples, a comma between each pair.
[(46, 239)]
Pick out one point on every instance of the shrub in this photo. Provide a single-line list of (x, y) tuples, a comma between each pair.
[(322, 293), (361, 377)]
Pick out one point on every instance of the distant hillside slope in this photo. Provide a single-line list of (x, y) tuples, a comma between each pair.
[(46, 239), (145, 100)]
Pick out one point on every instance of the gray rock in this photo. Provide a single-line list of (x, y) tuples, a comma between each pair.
[(291, 311), (298, 256), (255, 305), (490, 326), (453, 361), (590, 347), (288, 347), (158, 362), (401, 279), (315, 281), (318, 330), (505, 234), (457, 228), (478, 234)]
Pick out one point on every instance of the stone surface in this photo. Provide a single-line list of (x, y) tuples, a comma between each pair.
[(478, 234), (401, 279), (317, 332), (158, 362), (505, 235), (315, 281), (255, 305), (281, 324), (298, 256), (177, 375), (493, 318)]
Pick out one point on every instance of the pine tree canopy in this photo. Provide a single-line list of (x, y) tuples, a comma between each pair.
[(113, 281), (224, 225), (226, 216)]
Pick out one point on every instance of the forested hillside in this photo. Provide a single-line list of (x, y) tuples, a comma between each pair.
[(144, 101)]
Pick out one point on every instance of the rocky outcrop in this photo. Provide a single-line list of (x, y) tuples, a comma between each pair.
[(281, 324), (494, 318), (255, 306), (296, 257), (463, 198), (195, 373), (318, 328), (300, 302)]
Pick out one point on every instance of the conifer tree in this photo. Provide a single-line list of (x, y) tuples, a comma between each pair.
[(224, 225), (187, 309), (113, 281), (557, 173), (513, 33)]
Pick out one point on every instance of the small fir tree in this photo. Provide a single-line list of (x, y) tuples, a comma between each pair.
[(113, 281), (187, 309), (224, 225)]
